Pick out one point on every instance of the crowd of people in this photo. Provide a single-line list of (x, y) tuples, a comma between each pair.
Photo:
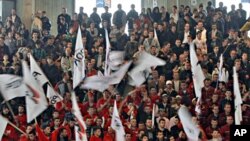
[(214, 31)]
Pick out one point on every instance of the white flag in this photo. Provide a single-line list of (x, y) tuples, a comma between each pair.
[(237, 99), (77, 113), (116, 58), (101, 83), (79, 136), (79, 60), (4, 123), (116, 124), (36, 101), (198, 76), (223, 73), (153, 116), (143, 66), (108, 46), (37, 73), (189, 127), (12, 86), (53, 96)]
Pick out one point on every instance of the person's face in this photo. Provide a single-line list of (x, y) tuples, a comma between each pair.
[(162, 124), (183, 86), (128, 137), (178, 43), (151, 34), (57, 122), (230, 120), (99, 122), (214, 123), (233, 7), (149, 123), (187, 27), (133, 122), (244, 56), (98, 132), (160, 135), (227, 108), (200, 25), (55, 115), (47, 130), (145, 138), (64, 10), (13, 12), (20, 109), (32, 137), (6, 110)]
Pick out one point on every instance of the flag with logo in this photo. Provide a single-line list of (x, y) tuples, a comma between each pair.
[(36, 101), (37, 73), (79, 60), (12, 86), (116, 124), (53, 96)]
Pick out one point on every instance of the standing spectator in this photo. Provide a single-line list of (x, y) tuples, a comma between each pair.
[(132, 17), (234, 17), (15, 19), (62, 26), (174, 14), (64, 15), (94, 17), (11, 43), (156, 15), (37, 22), (242, 15), (3, 49), (38, 52), (120, 17), (106, 16), (46, 25)]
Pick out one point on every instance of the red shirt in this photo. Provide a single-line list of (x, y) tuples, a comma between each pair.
[(94, 138), (109, 137)]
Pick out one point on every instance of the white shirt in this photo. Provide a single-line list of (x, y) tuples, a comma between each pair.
[(185, 39)]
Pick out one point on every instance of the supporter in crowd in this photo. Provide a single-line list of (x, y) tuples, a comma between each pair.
[(164, 34)]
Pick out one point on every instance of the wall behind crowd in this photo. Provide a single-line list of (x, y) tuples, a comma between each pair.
[(25, 9)]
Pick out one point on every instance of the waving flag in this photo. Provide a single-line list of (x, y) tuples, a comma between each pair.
[(4, 123), (12, 86), (53, 96), (116, 58), (37, 73), (116, 124), (76, 111), (142, 66), (36, 101), (189, 127), (79, 60), (198, 76), (237, 99), (101, 83), (108, 46)]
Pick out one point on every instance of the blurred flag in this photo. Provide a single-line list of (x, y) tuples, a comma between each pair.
[(101, 83), (237, 99), (4, 123), (41, 136), (53, 96), (198, 77), (108, 46), (36, 101), (12, 86), (142, 66), (190, 128), (77, 113), (79, 60), (37, 73), (116, 124)]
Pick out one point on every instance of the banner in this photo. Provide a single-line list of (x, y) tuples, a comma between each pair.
[(99, 3), (107, 3)]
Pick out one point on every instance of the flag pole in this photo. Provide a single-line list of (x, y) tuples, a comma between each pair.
[(11, 111), (13, 125)]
